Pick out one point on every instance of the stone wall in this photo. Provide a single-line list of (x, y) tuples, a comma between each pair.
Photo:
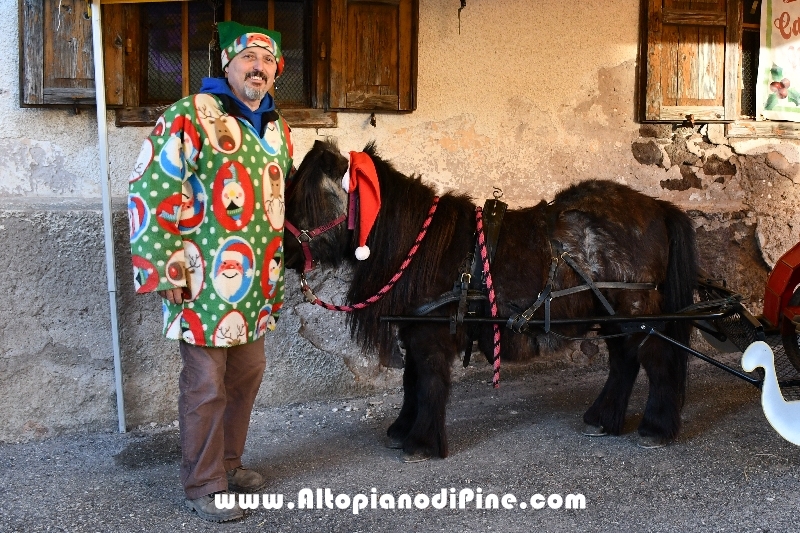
[(56, 372), (528, 96)]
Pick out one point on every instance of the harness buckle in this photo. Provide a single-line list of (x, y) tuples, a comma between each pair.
[(303, 236), (308, 293), (466, 278)]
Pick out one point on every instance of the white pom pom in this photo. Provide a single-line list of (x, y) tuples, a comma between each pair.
[(346, 180), (362, 252)]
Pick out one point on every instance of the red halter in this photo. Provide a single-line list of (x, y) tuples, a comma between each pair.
[(304, 237)]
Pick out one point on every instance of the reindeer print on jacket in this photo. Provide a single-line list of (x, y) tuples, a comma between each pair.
[(206, 214)]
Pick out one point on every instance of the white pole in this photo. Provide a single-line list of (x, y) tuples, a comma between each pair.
[(105, 186)]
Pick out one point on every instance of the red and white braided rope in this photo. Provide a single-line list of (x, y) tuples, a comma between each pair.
[(386, 288), (492, 298)]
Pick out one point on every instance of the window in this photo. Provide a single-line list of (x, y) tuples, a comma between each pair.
[(157, 52), (173, 31), (292, 19), (702, 65), (174, 46), (55, 44), (751, 37), (693, 60)]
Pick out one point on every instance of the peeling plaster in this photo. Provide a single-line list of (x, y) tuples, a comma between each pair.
[(789, 149), (37, 167)]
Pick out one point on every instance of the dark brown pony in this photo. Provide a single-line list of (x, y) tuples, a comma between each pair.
[(610, 230)]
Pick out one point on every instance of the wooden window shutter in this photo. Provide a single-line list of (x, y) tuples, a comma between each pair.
[(693, 60), (56, 57), (373, 55)]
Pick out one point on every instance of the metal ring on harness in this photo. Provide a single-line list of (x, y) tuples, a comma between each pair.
[(305, 236)]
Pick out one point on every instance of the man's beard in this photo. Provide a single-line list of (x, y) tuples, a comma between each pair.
[(254, 94)]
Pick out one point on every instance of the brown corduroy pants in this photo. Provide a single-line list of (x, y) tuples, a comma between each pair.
[(218, 387)]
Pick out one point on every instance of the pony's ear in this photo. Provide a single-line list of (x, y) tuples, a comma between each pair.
[(334, 163)]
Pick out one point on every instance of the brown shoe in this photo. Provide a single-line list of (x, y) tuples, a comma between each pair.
[(206, 508), (243, 480)]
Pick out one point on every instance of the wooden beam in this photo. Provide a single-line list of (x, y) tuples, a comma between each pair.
[(785, 130), (31, 43), (271, 14), (701, 113), (369, 101), (138, 116), (133, 56), (114, 53), (296, 117), (139, 1), (733, 60), (310, 118), (694, 18), (655, 50), (185, 49)]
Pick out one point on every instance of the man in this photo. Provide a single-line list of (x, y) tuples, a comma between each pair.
[(203, 238)]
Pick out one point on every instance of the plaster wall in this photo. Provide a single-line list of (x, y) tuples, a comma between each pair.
[(528, 97)]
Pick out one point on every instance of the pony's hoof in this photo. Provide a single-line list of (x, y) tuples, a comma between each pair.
[(650, 442), (393, 443), (416, 457), (594, 431)]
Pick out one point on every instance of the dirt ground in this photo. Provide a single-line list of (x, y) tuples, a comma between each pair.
[(728, 471)]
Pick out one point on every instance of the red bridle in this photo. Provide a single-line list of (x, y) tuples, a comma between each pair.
[(304, 237)]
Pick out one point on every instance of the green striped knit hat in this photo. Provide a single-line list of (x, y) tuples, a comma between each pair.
[(235, 37)]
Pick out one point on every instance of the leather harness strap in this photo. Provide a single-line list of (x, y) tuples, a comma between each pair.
[(469, 289), (589, 281), (491, 222), (448, 298), (304, 237), (493, 213), (519, 322)]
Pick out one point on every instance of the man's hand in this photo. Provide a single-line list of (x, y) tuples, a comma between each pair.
[(174, 296)]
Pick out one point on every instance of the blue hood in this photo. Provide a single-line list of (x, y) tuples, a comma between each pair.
[(219, 87)]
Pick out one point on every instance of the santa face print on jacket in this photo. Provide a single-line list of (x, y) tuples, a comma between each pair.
[(233, 269)]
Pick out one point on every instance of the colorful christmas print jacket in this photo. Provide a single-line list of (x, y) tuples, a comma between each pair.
[(206, 210)]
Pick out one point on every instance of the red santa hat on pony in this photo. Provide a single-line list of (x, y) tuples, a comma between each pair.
[(362, 179)]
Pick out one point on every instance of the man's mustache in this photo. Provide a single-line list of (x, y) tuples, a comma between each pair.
[(261, 74)]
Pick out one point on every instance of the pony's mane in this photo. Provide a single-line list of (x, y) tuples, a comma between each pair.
[(405, 202)]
